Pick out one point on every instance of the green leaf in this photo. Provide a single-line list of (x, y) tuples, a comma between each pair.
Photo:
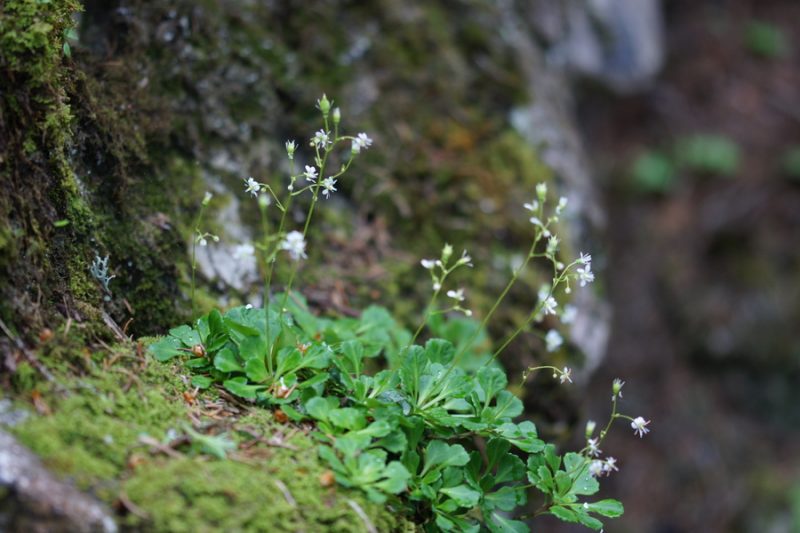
[(522, 435), (226, 361), (201, 382), (506, 498), (396, 478), (439, 454), (439, 351), (353, 353), (186, 335), (510, 468), (500, 524), (563, 513), (256, 370), (198, 362), (583, 482), (492, 380), (320, 408), (588, 521), (166, 348), (610, 508), (314, 380), (348, 418), (456, 523), (463, 495), (507, 407), (412, 370), (252, 348), (215, 324), (239, 387)]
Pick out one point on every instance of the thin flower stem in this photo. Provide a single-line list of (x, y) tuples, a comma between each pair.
[(314, 199), (426, 317), (557, 281), (467, 345), (194, 252), (267, 282), (530, 371)]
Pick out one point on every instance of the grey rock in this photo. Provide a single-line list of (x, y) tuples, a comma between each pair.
[(617, 42), (32, 500)]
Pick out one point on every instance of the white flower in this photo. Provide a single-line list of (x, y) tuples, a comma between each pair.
[(437, 285), (532, 207), (562, 203), (566, 375), (549, 306), (207, 198), (320, 139), (585, 275), (328, 186), (594, 447), (596, 468), (252, 186), (554, 340), (428, 264), (639, 426), (248, 306), (456, 295), (465, 259), (295, 244), (568, 315), (585, 258), (610, 464), (310, 174), (362, 141), (243, 251)]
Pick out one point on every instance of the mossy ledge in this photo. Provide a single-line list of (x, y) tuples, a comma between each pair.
[(104, 422)]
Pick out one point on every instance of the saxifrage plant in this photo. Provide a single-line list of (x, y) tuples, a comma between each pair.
[(435, 433)]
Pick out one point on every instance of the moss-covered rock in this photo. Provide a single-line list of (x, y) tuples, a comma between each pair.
[(102, 428)]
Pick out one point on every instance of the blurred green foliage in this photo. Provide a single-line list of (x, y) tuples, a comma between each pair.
[(653, 171), (791, 162), (765, 39), (708, 154)]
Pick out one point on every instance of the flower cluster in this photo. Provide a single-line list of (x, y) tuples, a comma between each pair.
[(440, 269)]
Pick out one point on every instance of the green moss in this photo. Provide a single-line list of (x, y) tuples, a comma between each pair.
[(93, 437)]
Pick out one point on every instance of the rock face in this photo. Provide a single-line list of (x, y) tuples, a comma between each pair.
[(32, 500), (153, 100), (116, 117)]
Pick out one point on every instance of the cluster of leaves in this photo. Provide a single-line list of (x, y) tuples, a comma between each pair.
[(401, 422)]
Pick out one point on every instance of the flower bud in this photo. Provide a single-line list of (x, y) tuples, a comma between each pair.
[(590, 427), (324, 105), (264, 201), (447, 251), (541, 191), (337, 115), (290, 148), (207, 198), (616, 387)]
